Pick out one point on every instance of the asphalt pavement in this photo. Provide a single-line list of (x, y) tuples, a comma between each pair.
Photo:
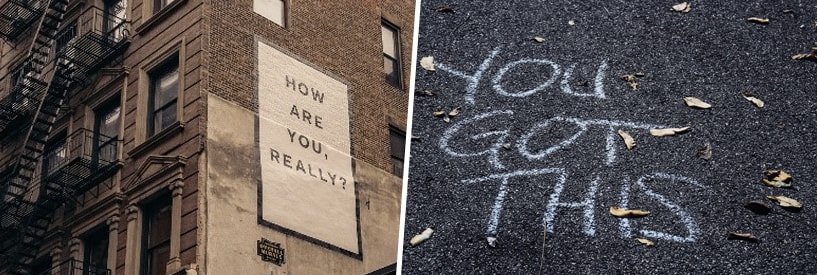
[(535, 147)]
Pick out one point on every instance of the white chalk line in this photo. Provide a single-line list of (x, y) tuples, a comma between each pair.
[(598, 82), (588, 222), (472, 80), (497, 80), (499, 201), (475, 78), (492, 152), (624, 202), (686, 219), (583, 125)]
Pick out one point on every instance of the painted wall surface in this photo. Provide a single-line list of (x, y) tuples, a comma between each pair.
[(232, 222), (306, 167)]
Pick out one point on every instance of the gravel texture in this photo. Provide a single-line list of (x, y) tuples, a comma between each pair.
[(712, 53)]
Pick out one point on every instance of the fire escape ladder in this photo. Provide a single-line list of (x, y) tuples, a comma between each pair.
[(17, 15), (29, 84), (27, 207)]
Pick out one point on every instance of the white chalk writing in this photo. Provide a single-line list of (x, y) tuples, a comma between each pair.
[(469, 138), (472, 80)]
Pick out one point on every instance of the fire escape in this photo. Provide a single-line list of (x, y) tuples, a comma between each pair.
[(60, 59)]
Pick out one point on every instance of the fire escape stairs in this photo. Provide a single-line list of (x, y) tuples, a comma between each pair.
[(26, 207)]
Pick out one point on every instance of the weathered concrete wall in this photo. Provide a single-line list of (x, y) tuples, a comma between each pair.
[(231, 219)]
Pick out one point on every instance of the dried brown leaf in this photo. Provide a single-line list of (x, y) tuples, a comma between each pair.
[(627, 213), (630, 78), (639, 74), (628, 140), (447, 119), (742, 236), (706, 152), (426, 93), (787, 202), (668, 131), (427, 63), (752, 98), (645, 241), (805, 56), (538, 39), (777, 178), (507, 146), (682, 7), (445, 9), (454, 112), (758, 20), (758, 207), (438, 113), (422, 237), (697, 103), (777, 184)]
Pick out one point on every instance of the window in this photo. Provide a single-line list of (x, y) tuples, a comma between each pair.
[(95, 260), (274, 10), (64, 40), (156, 236), (160, 4), (16, 76), (19, 77), (164, 87), (114, 18), (41, 265), (391, 54), (56, 153), (398, 150), (106, 132)]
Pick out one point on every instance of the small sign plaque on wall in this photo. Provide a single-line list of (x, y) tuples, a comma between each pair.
[(271, 252)]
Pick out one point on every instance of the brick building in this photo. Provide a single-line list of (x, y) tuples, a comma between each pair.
[(202, 137)]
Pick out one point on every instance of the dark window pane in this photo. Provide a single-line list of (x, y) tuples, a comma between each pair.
[(164, 90), (156, 236), (160, 4), (158, 259), (390, 68), (397, 140), (397, 167), (159, 226), (391, 52), (96, 252), (164, 117), (108, 121)]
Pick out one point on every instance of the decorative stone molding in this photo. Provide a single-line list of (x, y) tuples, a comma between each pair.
[(113, 222), (132, 212), (176, 188), (155, 168)]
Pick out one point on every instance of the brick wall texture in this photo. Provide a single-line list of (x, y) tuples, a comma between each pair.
[(215, 41), (342, 38)]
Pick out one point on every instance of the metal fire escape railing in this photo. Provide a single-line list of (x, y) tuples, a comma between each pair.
[(27, 206), (17, 15), (85, 160), (74, 267)]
